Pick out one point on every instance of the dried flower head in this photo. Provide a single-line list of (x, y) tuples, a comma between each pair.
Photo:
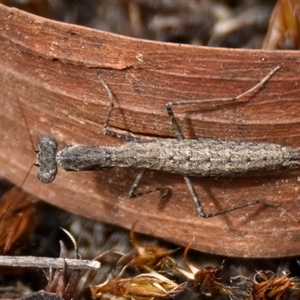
[(62, 281), (141, 287), (149, 257), (204, 281), (267, 286)]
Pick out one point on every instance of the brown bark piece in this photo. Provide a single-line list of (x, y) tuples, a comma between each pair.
[(52, 69)]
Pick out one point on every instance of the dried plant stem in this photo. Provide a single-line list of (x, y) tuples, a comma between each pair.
[(47, 262)]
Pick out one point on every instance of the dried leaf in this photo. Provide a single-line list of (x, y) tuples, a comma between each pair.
[(284, 26), (16, 217)]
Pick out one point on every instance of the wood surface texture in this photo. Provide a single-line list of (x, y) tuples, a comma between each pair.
[(52, 68)]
